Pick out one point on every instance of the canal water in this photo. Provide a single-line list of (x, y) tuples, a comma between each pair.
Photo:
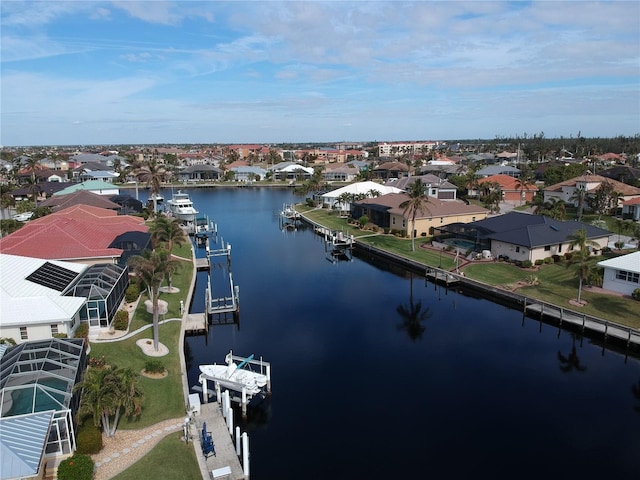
[(360, 390)]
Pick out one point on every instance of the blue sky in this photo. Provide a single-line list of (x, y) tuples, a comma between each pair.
[(137, 72)]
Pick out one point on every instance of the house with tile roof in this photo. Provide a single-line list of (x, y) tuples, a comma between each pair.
[(80, 197), (622, 274), (386, 212), (82, 234), (521, 236), (512, 190), (330, 199), (566, 190), (631, 209)]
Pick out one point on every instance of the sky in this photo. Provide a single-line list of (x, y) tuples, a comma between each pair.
[(142, 72)]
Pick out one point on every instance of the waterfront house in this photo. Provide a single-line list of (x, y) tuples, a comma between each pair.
[(246, 173), (80, 234), (290, 171), (524, 237), (38, 406), (80, 197), (386, 212), (42, 191), (622, 274), (631, 209), (200, 173), (43, 298), (330, 199), (96, 186)]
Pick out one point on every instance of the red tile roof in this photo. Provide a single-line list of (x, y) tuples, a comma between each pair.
[(507, 183), (79, 232)]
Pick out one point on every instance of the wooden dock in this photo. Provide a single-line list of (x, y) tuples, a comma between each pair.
[(224, 447), (195, 323), (202, 264)]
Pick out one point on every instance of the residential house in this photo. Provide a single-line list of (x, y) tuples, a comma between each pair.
[(200, 173), (622, 274), (435, 187), (42, 190), (631, 209), (522, 236), (566, 190), (512, 190), (330, 199), (290, 171), (338, 172), (386, 212), (80, 234), (79, 197), (492, 170), (38, 405), (96, 186), (389, 170), (624, 174), (248, 173)]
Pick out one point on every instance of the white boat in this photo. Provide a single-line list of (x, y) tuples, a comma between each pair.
[(181, 207), (157, 197), (235, 376)]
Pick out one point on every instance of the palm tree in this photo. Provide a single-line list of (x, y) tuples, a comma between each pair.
[(151, 268), (417, 202), (579, 239), (108, 392), (579, 196), (522, 184), (152, 174), (167, 231)]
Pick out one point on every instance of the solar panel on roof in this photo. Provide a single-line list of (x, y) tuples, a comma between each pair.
[(53, 276)]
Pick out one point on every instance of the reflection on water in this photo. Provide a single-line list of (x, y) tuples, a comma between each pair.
[(378, 374)]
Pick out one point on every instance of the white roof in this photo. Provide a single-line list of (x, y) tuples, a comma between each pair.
[(362, 187), (22, 444), (23, 301), (630, 262)]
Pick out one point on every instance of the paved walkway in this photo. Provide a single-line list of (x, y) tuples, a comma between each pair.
[(129, 446)]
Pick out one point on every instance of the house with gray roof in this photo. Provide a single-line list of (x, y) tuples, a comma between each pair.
[(498, 170), (522, 236), (435, 186)]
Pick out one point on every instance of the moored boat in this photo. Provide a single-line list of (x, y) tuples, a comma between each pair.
[(181, 207)]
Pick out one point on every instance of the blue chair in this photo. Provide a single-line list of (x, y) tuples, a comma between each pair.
[(208, 448)]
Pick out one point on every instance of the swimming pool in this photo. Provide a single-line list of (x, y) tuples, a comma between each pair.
[(45, 399), (459, 242)]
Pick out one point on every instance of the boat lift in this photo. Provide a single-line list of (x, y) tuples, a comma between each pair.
[(337, 244), (290, 218), (227, 303)]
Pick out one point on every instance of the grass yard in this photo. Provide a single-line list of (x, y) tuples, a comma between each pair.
[(170, 459), (163, 398)]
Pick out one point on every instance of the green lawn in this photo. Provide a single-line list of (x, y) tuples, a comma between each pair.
[(496, 273), (163, 398), (170, 459)]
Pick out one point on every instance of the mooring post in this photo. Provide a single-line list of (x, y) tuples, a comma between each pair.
[(205, 390), (218, 392), (245, 454), (244, 402), (268, 379), (230, 419), (238, 441)]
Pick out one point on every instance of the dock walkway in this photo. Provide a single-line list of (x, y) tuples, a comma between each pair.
[(225, 450)]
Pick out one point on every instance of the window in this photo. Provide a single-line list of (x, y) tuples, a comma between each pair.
[(441, 219), (547, 248), (54, 330), (393, 220), (559, 247), (628, 276), (23, 333), (517, 249), (473, 219)]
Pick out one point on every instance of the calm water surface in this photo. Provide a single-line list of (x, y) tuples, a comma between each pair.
[(359, 393)]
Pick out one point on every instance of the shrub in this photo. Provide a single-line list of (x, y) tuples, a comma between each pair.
[(82, 331), (363, 220), (59, 335), (89, 439), (619, 245), (568, 256), (133, 292), (97, 362), (77, 467), (154, 366), (548, 260), (121, 320), (526, 264), (539, 261), (636, 294), (557, 258)]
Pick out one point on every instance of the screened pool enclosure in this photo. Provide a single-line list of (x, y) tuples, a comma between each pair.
[(39, 376), (104, 287)]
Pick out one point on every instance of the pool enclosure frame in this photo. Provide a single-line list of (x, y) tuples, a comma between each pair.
[(27, 370)]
